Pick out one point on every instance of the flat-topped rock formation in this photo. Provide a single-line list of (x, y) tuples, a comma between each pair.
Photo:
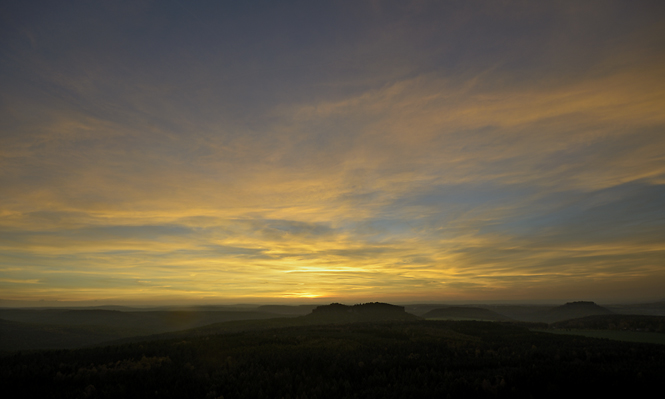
[(373, 311)]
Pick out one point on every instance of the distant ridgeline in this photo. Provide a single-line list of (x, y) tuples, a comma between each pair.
[(616, 322), (574, 310), (465, 313), (371, 307), (373, 311)]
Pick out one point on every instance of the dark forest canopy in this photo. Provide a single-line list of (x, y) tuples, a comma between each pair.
[(397, 359), (336, 351)]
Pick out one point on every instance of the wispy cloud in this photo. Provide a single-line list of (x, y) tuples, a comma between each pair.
[(399, 151)]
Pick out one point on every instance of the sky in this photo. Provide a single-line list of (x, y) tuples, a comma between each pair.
[(309, 151)]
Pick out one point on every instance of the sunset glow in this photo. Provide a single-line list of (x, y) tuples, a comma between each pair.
[(216, 152)]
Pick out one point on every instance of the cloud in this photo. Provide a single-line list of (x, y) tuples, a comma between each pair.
[(426, 149), (16, 281)]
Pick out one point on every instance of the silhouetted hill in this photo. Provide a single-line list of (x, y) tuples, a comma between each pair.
[(152, 320), (420, 309), (574, 310), (615, 322), (15, 335), (328, 314), (527, 313), (65, 328), (646, 309), (299, 310), (373, 311), (465, 313)]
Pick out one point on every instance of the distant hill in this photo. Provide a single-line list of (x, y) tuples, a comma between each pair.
[(574, 310), (646, 309), (22, 329), (16, 335), (321, 315), (420, 309), (155, 321), (615, 322), (373, 311), (299, 310), (465, 313), (527, 313)]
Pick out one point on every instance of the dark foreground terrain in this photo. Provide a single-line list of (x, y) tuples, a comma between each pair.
[(388, 359)]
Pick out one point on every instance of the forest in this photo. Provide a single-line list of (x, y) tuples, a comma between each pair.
[(409, 358)]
